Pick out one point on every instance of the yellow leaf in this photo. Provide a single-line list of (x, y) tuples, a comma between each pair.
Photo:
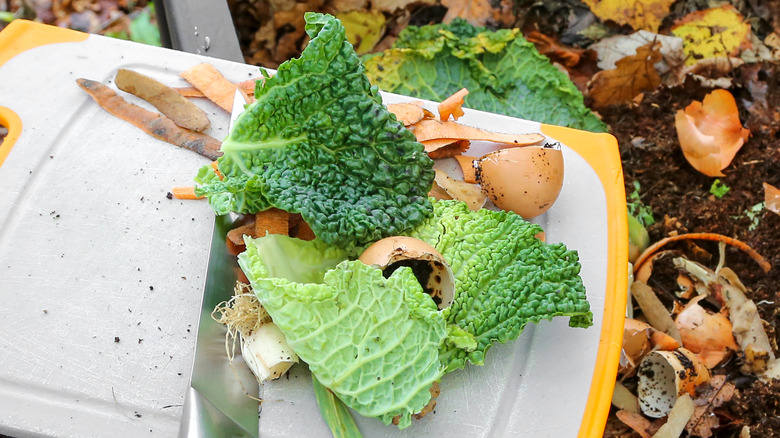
[(632, 75), (639, 14), (364, 28), (712, 33)]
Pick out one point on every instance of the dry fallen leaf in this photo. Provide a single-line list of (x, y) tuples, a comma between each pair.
[(633, 74), (363, 28), (714, 32), (714, 394), (612, 49), (636, 422), (639, 14), (476, 12), (772, 198), (710, 132), (551, 48), (759, 81)]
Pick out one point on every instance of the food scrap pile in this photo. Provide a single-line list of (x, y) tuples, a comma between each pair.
[(357, 257)]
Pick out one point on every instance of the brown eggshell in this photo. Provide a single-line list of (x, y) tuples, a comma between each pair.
[(708, 334), (636, 343), (438, 281), (525, 180)]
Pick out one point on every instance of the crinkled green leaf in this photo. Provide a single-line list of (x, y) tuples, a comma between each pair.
[(503, 72), (505, 278), (318, 141), (373, 341)]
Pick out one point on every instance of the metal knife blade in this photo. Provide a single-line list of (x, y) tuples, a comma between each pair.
[(216, 404)]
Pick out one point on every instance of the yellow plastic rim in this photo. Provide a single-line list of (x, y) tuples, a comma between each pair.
[(602, 154), (20, 36)]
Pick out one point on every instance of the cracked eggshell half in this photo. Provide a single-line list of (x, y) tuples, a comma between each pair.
[(525, 180), (428, 265), (664, 376)]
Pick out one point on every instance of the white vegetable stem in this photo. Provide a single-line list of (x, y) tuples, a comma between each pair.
[(266, 352)]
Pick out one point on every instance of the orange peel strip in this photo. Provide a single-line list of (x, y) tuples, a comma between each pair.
[(652, 249)]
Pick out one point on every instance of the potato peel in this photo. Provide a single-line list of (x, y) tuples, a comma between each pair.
[(183, 112)]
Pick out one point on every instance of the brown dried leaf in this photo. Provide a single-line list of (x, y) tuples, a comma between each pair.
[(636, 422), (551, 48), (476, 12), (758, 79), (703, 420), (632, 75)]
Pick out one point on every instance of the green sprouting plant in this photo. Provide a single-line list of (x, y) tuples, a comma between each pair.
[(754, 214), (637, 208), (719, 189)]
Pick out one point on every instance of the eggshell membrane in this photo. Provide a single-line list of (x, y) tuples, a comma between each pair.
[(525, 180), (666, 375)]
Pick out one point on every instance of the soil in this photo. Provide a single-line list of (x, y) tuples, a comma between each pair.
[(681, 201)]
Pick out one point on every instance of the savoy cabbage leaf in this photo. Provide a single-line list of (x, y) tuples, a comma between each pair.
[(318, 141), (373, 341), (503, 72), (505, 277)]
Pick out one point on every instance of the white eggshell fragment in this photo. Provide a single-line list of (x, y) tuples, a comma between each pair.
[(428, 265), (525, 180), (664, 376)]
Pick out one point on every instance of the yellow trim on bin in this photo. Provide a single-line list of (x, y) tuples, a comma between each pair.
[(10, 120), (602, 154), (20, 36)]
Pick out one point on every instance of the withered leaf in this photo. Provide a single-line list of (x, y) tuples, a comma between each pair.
[(703, 420), (633, 75), (476, 12)]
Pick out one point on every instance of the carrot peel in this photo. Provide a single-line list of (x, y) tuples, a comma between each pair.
[(652, 249)]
